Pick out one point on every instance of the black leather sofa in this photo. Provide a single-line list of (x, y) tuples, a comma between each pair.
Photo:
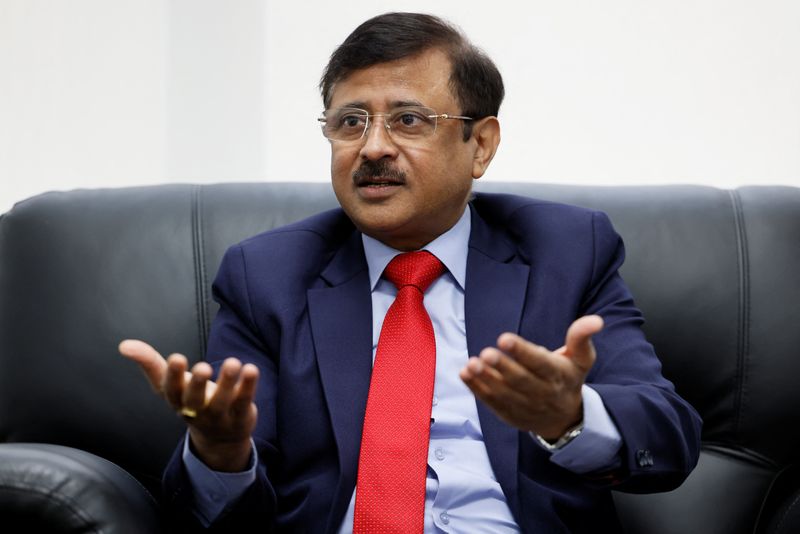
[(83, 440)]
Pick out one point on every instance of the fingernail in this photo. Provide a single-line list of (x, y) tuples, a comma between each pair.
[(506, 342), (491, 358)]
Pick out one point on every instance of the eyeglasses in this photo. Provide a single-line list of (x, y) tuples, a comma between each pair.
[(408, 123)]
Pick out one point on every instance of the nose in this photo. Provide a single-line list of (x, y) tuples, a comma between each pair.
[(378, 142)]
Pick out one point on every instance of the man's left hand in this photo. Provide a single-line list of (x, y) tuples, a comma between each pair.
[(532, 388)]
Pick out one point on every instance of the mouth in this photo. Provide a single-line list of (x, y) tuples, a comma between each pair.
[(378, 182), (378, 175)]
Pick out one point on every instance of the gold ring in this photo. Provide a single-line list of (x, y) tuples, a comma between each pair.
[(188, 412)]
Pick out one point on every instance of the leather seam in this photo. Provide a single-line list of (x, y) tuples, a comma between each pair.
[(786, 513), (198, 251), (50, 494), (743, 337)]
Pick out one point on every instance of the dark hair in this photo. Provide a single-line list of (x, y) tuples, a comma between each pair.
[(474, 79)]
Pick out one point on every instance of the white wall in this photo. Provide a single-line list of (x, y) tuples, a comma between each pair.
[(107, 93)]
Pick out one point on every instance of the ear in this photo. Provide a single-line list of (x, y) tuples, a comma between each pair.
[(486, 134)]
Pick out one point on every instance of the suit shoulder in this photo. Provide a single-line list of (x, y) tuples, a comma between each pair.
[(295, 252), (328, 227)]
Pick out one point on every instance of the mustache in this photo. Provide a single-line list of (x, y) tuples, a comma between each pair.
[(370, 170)]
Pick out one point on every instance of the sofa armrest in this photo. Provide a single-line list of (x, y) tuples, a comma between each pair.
[(51, 488), (780, 513), (722, 495)]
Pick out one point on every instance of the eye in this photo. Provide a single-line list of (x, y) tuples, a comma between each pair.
[(345, 124), (350, 120), (409, 119), (413, 121)]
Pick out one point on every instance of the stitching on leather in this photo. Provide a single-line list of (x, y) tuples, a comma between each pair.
[(786, 513), (743, 327), (52, 494), (199, 269), (203, 268)]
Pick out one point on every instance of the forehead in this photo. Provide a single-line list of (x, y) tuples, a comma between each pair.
[(421, 79)]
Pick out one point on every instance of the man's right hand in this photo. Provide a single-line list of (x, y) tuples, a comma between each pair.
[(221, 416)]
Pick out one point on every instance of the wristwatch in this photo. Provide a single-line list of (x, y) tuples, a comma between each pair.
[(568, 436)]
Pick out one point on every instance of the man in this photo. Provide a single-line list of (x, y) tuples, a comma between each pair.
[(302, 432)]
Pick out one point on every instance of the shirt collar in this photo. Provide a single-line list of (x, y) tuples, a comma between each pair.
[(450, 247)]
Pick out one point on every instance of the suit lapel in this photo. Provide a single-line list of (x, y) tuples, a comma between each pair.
[(494, 299), (341, 325)]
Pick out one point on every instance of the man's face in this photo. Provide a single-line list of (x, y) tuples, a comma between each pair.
[(401, 193)]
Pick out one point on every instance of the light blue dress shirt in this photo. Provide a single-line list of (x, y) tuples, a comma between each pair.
[(462, 493)]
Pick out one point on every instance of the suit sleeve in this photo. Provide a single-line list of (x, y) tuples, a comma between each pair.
[(660, 431), (233, 333)]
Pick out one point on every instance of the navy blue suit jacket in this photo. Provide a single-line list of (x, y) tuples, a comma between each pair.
[(296, 302)]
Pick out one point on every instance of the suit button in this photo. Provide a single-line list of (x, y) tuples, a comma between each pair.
[(644, 458)]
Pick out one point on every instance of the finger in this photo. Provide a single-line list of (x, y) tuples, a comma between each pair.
[(470, 374), (512, 372), (246, 392), (579, 344), (175, 380), (149, 360), (535, 358), (504, 404), (226, 385), (194, 393), (488, 383)]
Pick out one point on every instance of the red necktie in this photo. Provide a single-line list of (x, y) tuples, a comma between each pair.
[(392, 466)]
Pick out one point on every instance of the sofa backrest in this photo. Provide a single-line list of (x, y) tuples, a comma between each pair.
[(714, 271)]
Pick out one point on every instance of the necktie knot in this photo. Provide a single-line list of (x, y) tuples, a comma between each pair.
[(418, 269)]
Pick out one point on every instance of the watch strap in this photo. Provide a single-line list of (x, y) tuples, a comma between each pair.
[(565, 438)]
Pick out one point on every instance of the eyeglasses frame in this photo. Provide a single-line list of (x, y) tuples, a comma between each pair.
[(436, 116)]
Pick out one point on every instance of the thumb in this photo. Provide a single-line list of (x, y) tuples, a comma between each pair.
[(579, 344), (151, 362)]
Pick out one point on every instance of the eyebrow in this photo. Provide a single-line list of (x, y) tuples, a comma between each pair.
[(392, 105)]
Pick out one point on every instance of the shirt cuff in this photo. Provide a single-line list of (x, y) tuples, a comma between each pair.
[(214, 491), (597, 447)]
